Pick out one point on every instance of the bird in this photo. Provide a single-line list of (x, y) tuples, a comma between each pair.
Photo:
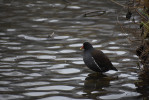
[(95, 59)]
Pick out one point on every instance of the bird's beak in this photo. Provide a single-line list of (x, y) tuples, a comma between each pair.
[(81, 47)]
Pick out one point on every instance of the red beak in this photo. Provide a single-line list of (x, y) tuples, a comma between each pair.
[(82, 47)]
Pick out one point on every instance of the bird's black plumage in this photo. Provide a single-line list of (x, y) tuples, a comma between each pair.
[(96, 60)]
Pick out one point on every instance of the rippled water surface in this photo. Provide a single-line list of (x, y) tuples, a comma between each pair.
[(36, 65)]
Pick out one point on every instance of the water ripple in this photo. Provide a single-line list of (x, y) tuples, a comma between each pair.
[(40, 19), (78, 62), (42, 51), (34, 65), (68, 59), (67, 79), (67, 51), (58, 87), (58, 66), (58, 98), (118, 96), (130, 86), (26, 84), (46, 57), (74, 7), (40, 93), (15, 73), (117, 52), (68, 71), (61, 37), (75, 45), (32, 38)]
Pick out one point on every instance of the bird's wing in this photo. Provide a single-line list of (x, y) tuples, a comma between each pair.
[(102, 60)]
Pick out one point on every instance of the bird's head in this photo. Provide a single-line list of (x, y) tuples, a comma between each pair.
[(86, 46)]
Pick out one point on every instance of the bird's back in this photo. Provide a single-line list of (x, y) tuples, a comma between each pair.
[(90, 62), (102, 60)]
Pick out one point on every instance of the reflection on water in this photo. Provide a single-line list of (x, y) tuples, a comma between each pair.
[(94, 85), (34, 65)]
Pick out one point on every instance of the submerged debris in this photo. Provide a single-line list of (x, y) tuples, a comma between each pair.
[(94, 13), (50, 36)]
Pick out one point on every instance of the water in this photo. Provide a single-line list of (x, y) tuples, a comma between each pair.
[(35, 65)]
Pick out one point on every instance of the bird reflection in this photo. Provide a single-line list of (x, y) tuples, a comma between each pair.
[(94, 84)]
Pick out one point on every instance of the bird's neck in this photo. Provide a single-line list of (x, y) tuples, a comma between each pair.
[(89, 50)]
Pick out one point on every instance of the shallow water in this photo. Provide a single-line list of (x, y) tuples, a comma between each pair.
[(35, 65)]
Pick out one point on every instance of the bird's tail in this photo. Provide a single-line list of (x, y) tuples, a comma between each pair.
[(113, 68)]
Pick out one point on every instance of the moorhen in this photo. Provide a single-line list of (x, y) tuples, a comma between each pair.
[(96, 60)]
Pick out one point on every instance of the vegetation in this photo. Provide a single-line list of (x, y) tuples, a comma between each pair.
[(143, 50), (139, 8)]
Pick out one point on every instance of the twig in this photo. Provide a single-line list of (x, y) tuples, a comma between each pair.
[(118, 3), (141, 14), (123, 5), (66, 1), (90, 14), (120, 24), (50, 36)]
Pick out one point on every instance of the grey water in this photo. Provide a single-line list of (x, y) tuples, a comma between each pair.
[(40, 57)]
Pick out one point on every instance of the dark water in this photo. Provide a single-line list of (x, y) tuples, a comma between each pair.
[(35, 66)]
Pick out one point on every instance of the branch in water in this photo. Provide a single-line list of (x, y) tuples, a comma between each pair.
[(94, 13), (50, 36)]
